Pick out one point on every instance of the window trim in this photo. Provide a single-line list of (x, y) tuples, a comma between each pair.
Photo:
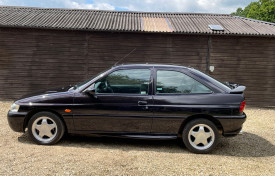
[(180, 71), (129, 94)]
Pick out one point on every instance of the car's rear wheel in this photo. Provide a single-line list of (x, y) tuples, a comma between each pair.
[(46, 128), (200, 136)]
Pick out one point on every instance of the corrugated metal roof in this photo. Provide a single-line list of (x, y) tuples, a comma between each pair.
[(97, 20)]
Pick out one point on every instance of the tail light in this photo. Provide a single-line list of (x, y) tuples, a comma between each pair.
[(242, 106)]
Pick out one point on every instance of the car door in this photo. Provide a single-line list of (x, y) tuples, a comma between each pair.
[(177, 96), (121, 102)]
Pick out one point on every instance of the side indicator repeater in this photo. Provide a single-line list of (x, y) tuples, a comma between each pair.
[(68, 110)]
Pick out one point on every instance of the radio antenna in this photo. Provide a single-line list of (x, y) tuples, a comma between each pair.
[(125, 56)]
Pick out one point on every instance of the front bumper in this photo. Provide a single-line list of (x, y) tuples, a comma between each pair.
[(16, 120), (232, 125)]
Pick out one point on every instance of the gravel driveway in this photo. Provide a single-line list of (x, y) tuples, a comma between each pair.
[(250, 154)]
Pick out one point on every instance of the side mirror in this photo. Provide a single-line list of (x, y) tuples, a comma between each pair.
[(90, 90)]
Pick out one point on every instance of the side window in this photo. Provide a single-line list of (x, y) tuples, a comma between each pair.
[(131, 81), (178, 83)]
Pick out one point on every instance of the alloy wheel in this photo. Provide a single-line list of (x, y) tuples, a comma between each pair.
[(44, 129), (201, 136)]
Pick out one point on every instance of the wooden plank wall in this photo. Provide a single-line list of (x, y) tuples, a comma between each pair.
[(31, 59), (105, 49), (37, 59), (249, 61)]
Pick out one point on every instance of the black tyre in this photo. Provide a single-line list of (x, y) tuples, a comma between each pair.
[(46, 128), (200, 136)]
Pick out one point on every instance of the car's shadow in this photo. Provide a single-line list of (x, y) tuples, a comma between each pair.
[(246, 145)]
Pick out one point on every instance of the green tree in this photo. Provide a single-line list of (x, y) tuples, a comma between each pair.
[(261, 10)]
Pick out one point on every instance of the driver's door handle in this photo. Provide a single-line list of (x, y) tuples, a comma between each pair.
[(142, 102)]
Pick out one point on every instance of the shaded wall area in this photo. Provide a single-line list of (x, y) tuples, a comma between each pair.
[(32, 59), (249, 61)]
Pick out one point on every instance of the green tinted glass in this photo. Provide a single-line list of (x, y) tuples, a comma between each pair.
[(178, 83), (131, 81)]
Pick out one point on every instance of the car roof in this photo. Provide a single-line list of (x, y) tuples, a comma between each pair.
[(151, 65)]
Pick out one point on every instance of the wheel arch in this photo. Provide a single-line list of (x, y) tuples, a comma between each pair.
[(200, 116), (35, 111)]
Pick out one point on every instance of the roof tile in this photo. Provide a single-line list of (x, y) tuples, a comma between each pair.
[(76, 19)]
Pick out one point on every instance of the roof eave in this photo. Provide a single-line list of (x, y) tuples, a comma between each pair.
[(146, 32)]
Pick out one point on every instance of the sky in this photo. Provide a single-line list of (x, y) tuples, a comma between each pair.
[(193, 6)]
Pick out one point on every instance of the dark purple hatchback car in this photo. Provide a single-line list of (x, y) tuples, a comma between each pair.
[(136, 101)]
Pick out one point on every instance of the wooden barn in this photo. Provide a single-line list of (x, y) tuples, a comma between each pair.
[(42, 48)]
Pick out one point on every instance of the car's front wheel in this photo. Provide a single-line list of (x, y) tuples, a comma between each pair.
[(46, 128), (200, 136)]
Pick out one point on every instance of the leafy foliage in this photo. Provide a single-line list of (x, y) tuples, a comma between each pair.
[(262, 10)]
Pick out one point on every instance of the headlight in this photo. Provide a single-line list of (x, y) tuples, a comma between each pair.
[(14, 107)]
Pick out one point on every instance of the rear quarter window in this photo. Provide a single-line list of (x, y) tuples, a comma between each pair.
[(211, 80), (174, 82)]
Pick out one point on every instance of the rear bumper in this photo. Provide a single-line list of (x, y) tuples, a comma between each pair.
[(232, 125), (16, 120)]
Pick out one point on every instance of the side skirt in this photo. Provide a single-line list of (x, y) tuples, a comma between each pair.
[(129, 135)]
